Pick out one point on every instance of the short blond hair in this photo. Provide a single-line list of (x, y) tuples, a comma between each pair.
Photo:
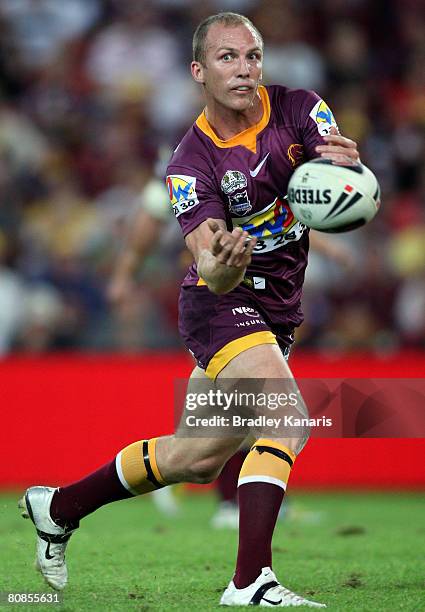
[(228, 19)]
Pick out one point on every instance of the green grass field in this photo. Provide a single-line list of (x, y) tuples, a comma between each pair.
[(352, 551)]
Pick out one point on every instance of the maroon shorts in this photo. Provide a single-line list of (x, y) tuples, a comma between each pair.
[(216, 328)]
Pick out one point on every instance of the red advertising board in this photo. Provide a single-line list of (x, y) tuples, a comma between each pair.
[(64, 416)]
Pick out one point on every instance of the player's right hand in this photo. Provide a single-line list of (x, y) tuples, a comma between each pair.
[(231, 248)]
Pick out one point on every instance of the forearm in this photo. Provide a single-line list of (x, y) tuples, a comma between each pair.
[(219, 277)]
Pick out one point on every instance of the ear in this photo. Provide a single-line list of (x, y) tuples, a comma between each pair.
[(197, 70)]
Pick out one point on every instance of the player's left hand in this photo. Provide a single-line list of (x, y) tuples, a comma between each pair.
[(339, 149), (231, 248)]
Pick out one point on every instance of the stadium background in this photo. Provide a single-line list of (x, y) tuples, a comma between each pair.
[(94, 95)]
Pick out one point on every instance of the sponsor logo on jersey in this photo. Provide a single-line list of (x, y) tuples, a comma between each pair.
[(251, 313), (274, 226), (249, 323), (232, 181), (259, 282), (239, 203), (182, 192), (323, 117), (295, 154), (274, 219), (245, 310), (255, 282), (257, 169)]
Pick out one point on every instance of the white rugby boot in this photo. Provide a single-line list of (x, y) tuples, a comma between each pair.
[(51, 539), (265, 591)]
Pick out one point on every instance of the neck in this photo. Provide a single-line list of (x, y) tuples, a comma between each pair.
[(227, 122)]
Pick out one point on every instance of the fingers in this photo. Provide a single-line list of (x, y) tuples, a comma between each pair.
[(337, 141), (342, 156), (232, 249), (213, 225), (244, 258), (340, 140), (216, 242), (341, 159), (250, 245), (339, 149), (335, 150), (238, 250), (220, 243)]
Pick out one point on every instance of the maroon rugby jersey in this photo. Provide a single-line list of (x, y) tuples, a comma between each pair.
[(244, 181)]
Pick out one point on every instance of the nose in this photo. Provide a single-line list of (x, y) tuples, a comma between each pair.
[(243, 67)]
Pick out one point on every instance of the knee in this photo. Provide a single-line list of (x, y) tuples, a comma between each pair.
[(296, 445), (204, 471), (299, 443)]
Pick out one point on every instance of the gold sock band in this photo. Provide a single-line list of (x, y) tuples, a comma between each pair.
[(268, 461), (275, 444), (137, 468), (153, 464)]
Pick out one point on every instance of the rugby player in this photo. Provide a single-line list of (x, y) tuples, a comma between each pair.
[(227, 180), (146, 227)]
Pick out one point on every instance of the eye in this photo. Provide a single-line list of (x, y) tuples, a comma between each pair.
[(226, 57), (255, 56)]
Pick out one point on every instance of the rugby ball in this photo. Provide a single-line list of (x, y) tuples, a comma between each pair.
[(333, 198)]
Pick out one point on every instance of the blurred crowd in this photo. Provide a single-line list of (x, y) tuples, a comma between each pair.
[(95, 94)]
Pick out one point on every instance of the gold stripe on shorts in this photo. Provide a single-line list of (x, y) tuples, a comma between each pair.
[(234, 348)]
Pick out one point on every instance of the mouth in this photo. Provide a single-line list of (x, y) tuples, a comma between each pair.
[(242, 89)]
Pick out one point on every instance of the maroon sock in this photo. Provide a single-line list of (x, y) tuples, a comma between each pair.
[(259, 504), (227, 482), (74, 502)]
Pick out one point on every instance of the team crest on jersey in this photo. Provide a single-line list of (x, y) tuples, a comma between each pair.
[(182, 192), (233, 180), (239, 203), (295, 154), (323, 117)]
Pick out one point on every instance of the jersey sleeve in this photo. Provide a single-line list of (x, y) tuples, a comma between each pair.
[(315, 121), (193, 197)]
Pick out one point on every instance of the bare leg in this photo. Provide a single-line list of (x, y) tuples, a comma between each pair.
[(266, 470)]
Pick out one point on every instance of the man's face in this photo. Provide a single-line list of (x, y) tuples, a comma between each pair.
[(232, 68)]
